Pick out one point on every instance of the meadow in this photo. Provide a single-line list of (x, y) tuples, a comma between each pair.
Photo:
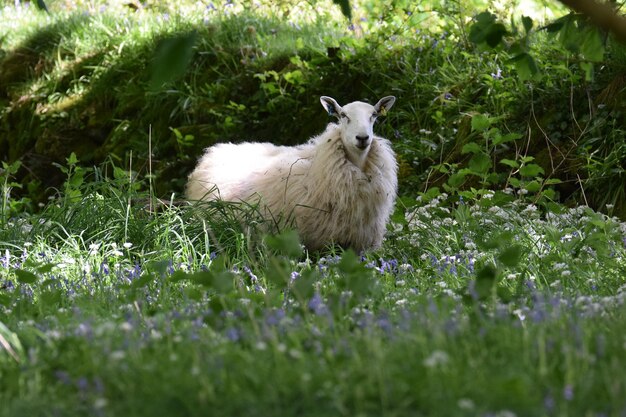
[(500, 286)]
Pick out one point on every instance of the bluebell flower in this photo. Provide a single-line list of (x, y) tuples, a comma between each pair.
[(317, 306), (233, 334)]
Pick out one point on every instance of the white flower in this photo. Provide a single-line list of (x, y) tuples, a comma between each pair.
[(466, 404), (118, 355), (436, 358)]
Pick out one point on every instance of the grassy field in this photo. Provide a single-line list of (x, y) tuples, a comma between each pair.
[(484, 307), (480, 303)]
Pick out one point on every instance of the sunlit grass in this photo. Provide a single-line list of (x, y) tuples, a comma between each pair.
[(115, 303), (113, 309)]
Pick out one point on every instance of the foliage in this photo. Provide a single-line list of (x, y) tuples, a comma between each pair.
[(109, 308)]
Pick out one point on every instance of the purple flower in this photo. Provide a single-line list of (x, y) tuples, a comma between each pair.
[(497, 75), (317, 306), (63, 377), (568, 392), (82, 384), (233, 334)]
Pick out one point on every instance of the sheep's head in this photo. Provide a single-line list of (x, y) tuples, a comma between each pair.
[(356, 121)]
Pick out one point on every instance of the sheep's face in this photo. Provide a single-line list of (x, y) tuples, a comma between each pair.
[(357, 122)]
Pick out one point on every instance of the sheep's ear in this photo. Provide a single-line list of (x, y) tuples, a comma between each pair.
[(331, 106), (384, 104)]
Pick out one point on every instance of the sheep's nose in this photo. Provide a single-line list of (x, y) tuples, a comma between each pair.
[(362, 140)]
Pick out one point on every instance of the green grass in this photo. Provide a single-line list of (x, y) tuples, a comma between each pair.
[(479, 303), (489, 306), (96, 81)]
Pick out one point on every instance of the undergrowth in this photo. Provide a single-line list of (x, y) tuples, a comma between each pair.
[(488, 297), (103, 84), (113, 302)]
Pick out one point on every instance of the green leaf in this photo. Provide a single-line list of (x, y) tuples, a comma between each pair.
[(526, 67), (471, 147), (171, 59), (303, 286), (286, 243), (509, 162), (592, 46), (45, 268), (587, 67), (533, 186), (26, 277), (511, 256), (480, 28), (5, 300), (456, 180), (72, 159), (220, 281), (571, 35), (354, 276), (531, 170), (527, 22), (552, 181), (351, 263), (480, 163), (558, 24), (509, 137), (486, 30), (495, 34), (480, 122), (485, 281)]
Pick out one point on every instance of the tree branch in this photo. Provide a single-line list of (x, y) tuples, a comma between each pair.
[(601, 14)]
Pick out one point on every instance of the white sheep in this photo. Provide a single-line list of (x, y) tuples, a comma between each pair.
[(339, 187)]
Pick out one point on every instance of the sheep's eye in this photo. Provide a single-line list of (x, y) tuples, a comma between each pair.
[(374, 115)]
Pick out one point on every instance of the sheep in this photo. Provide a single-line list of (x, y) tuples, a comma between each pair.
[(338, 188)]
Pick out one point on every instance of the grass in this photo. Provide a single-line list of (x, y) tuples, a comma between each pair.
[(491, 306), (99, 79), (481, 302)]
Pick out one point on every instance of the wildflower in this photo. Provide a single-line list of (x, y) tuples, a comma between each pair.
[(233, 334), (568, 392), (436, 358), (100, 403), (497, 75), (466, 404), (63, 377), (317, 306), (117, 355)]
